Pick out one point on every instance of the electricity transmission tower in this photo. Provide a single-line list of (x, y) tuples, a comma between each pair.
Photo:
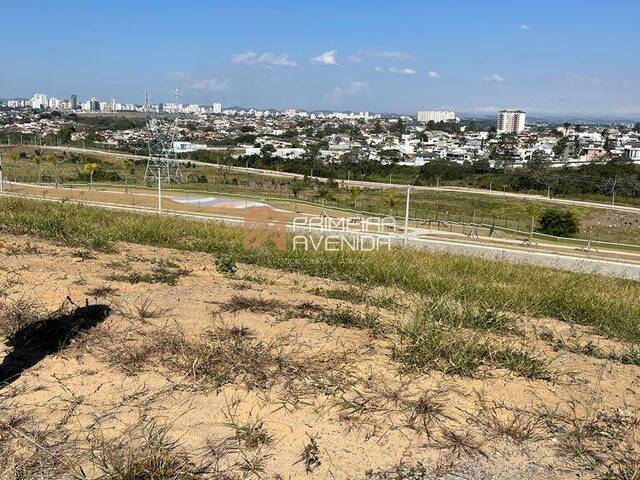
[(162, 164)]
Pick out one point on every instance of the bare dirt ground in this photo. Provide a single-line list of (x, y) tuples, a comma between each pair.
[(244, 374)]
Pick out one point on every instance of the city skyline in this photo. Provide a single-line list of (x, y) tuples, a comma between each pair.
[(336, 58)]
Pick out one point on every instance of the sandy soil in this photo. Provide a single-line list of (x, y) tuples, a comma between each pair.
[(352, 400)]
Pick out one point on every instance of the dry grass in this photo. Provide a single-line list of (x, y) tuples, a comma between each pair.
[(144, 308), (239, 303), (310, 456), (498, 420), (146, 452), (102, 291), (426, 411), (459, 443), (16, 314), (162, 271), (231, 354)]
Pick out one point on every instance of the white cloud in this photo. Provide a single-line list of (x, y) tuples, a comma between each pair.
[(191, 82), (354, 88), (583, 79), (362, 55), (210, 84), (266, 59), (495, 78), (327, 58), (396, 71), (485, 109), (402, 71), (525, 28), (177, 75), (433, 74)]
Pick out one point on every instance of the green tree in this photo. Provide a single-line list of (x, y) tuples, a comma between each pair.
[(127, 169), (295, 188), (558, 222), (14, 163), (399, 127), (38, 160), (323, 193), (55, 160), (90, 167), (354, 193), (539, 161), (391, 201)]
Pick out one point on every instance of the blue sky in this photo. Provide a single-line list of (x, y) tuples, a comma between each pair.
[(561, 56)]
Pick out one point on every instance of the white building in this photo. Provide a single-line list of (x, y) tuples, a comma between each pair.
[(16, 103), (39, 100), (194, 108), (437, 116), (633, 153), (108, 106), (511, 121), (216, 108), (185, 147), (54, 103)]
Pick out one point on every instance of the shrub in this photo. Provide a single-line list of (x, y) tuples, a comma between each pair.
[(226, 265), (558, 222)]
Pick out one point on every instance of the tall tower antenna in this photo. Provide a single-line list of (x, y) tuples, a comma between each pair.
[(162, 164)]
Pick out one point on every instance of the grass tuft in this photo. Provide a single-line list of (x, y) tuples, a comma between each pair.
[(348, 318), (310, 456), (238, 303)]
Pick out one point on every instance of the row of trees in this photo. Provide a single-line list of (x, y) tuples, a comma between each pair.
[(86, 170), (618, 176)]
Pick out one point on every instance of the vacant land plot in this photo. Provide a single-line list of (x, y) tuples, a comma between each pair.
[(136, 347)]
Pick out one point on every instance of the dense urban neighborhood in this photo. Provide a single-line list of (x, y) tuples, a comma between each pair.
[(333, 137), (431, 148)]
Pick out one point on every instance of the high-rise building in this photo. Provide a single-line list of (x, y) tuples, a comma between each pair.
[(216, 108), (511, 121), (73, 102), (94, 105), (436, 116), (39, 100)]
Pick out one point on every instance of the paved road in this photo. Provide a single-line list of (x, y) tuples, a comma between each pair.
[(547, 259), (271, 173)]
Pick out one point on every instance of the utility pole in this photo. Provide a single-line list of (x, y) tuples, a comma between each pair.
[(1, 177), (159, 192), (406, 212)]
